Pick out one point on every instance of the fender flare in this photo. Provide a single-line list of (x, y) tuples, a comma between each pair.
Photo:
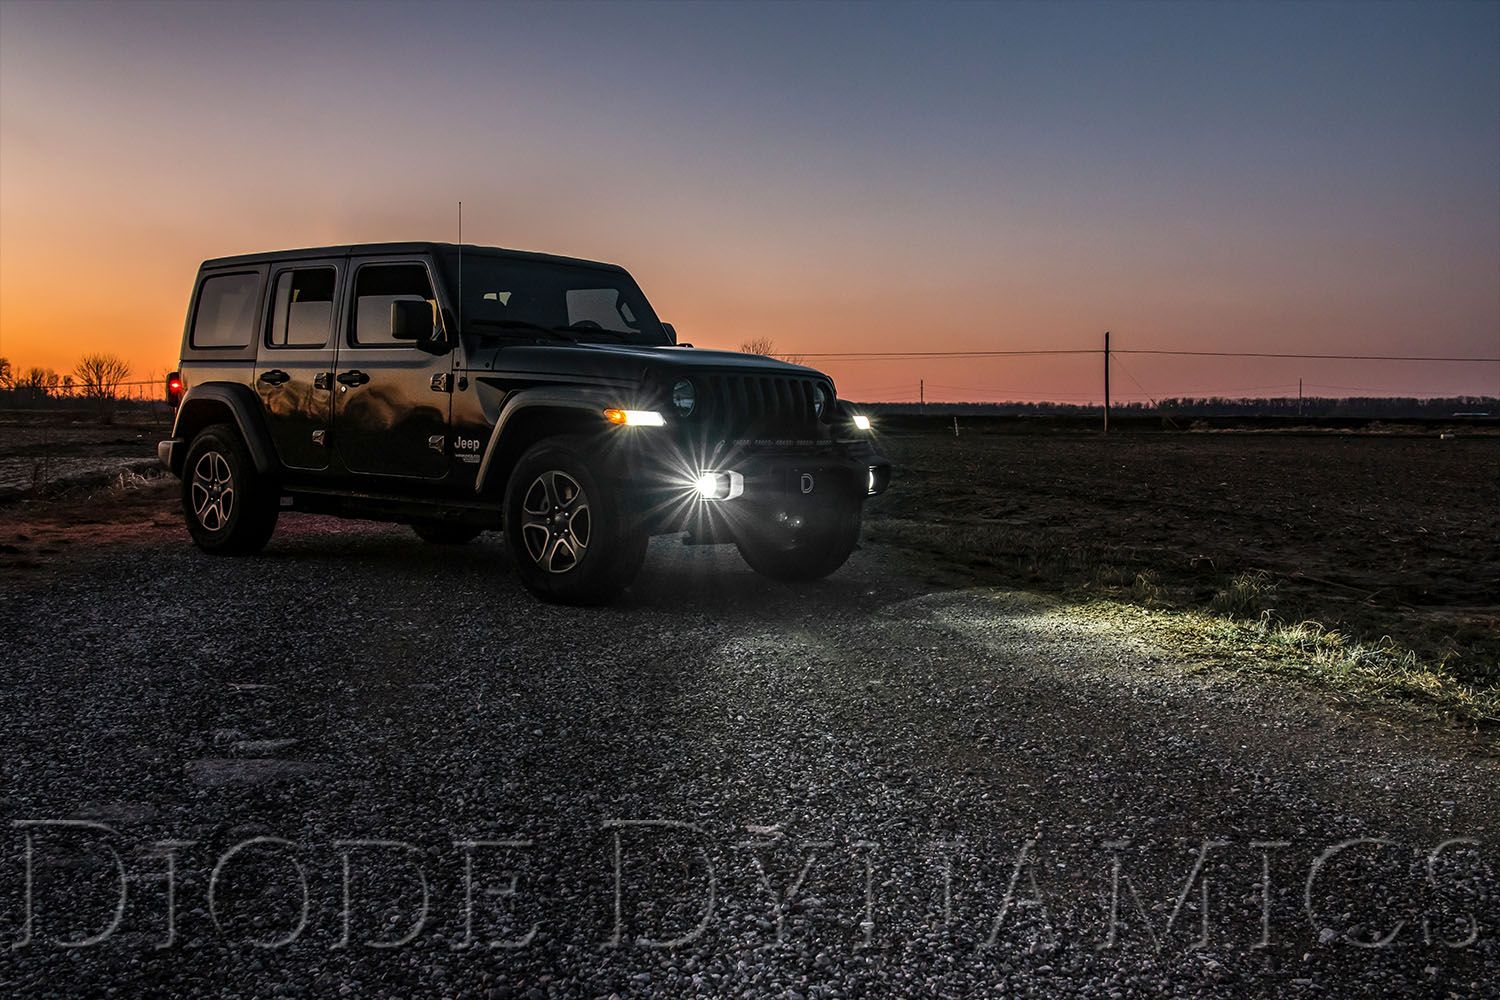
[(594, 401), (244, 406)]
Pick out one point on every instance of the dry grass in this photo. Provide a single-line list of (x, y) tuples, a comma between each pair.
[(1377, 575), (1247, 594), (1328, 658)]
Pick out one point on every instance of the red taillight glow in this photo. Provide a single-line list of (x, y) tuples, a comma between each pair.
[(174, 389)]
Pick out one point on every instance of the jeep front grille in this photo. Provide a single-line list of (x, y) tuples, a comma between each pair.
[(758, 406)]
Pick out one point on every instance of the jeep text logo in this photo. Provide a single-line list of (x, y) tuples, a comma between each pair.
[(466, 444)]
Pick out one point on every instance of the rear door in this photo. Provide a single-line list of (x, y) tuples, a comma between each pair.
[(391, 399), (294, 366)]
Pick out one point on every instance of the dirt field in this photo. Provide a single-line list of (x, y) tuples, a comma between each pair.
[(1367, 535), (43, 452)]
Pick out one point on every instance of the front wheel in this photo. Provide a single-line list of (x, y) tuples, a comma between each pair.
[(230, 508), (796, 549), (571, 538)]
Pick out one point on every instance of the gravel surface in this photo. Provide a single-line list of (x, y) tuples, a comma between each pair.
[(719, 786)]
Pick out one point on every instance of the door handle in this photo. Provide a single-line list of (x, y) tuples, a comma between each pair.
[(355, 377), (275, 377)]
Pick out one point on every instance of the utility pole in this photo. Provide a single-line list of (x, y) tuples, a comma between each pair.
[(1106, 381), (1299, 397), (922, 394)]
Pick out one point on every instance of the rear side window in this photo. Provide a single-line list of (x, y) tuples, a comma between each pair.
[(375, 288), (302, 308), (225, 316)]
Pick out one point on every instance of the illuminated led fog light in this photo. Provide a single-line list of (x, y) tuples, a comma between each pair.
[(861, 422), (719, 485)]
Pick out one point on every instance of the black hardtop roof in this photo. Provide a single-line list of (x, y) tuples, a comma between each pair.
[(358, 249)]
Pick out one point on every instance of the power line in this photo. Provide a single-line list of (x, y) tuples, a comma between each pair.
[(912, 355), (1309, 357), (1369, 388), (1174, 393)]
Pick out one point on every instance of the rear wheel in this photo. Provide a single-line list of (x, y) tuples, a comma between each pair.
[(806, 548), (571, 538), (230, 508), (445, 532)]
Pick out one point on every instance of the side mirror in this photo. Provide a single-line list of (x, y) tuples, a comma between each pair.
[(413, 319), (671, 332)]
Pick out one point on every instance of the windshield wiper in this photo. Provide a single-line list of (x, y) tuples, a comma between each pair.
[(556, 333), (570, 333), (593, 330)]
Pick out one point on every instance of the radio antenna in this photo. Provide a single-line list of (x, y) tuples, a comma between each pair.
[(460, 269)]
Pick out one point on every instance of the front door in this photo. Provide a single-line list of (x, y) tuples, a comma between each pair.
[(391, 399), (294, 365)]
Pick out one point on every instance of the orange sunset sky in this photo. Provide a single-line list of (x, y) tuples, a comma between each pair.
[(1312, 178)]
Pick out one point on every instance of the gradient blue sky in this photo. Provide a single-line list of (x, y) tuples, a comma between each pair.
[(1313, 177)]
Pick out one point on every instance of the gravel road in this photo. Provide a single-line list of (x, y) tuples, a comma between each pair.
[(377, 768)]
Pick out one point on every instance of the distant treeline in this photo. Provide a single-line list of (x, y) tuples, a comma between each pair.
[(1377, 407), (101, 381)]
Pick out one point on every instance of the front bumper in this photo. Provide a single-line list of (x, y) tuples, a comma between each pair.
[(779, 486)]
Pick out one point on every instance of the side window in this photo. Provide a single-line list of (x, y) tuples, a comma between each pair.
[(376, 286), (602, 306), (225, 316), (302, 308)]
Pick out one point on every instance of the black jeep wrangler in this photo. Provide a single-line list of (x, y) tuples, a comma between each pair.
[(465, 388)]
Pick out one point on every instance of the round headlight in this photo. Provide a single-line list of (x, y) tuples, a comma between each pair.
[(820, 401), (684, 396)]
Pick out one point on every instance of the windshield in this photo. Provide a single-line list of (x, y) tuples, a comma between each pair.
[(507, 297)]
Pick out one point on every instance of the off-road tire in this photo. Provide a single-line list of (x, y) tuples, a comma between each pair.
[(445, 532), (571, 538), (230, 508), (817, 548)]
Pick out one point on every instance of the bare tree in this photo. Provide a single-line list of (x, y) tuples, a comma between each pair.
[(37, 383), (767, 346), (7, 375), (99, 377)]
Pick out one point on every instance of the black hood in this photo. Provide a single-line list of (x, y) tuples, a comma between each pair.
[(623, 361)]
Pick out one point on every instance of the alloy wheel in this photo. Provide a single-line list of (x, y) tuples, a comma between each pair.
[(212, 491), (556, 522)]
